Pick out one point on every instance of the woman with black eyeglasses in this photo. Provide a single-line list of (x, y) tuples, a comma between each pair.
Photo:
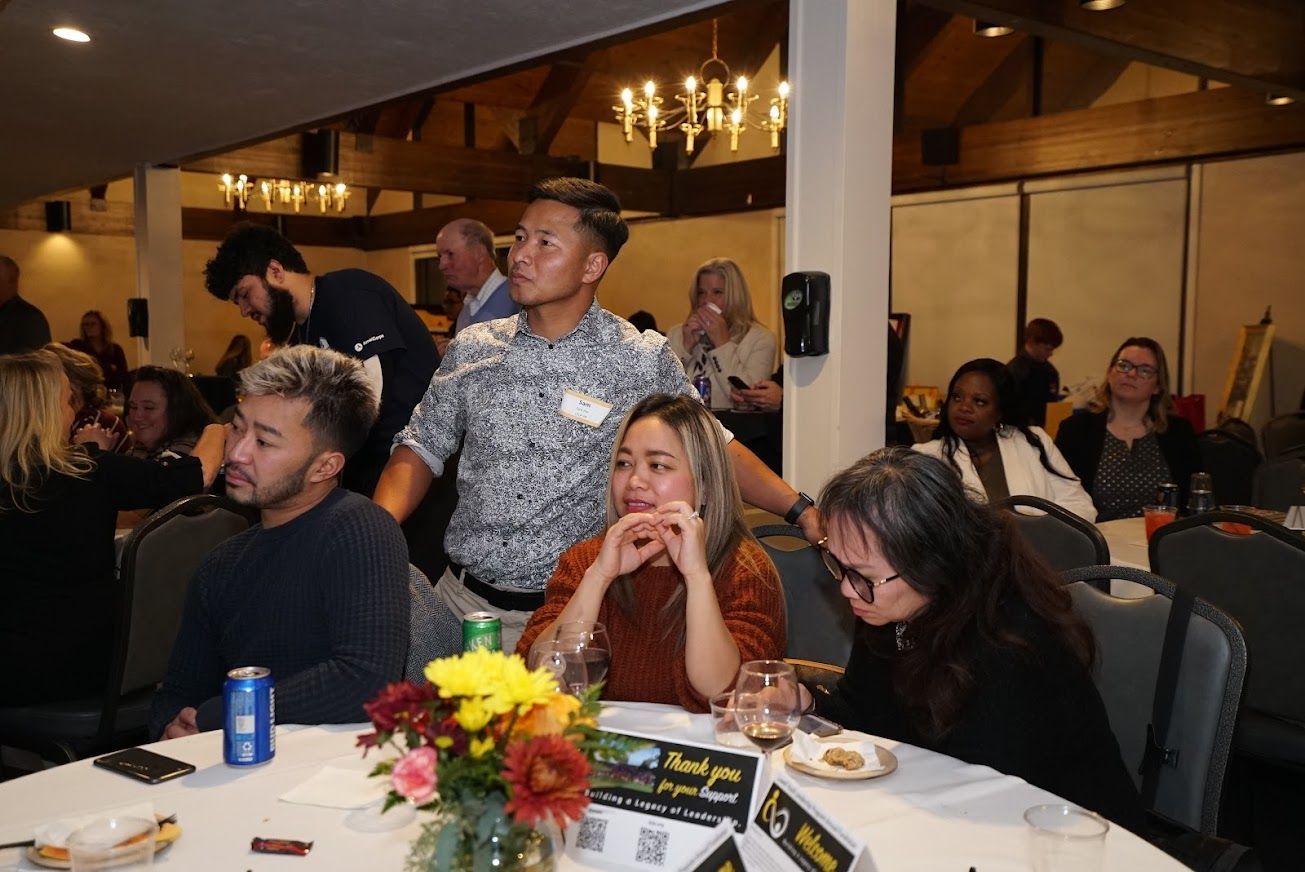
[(1131, 440), (967, 644)]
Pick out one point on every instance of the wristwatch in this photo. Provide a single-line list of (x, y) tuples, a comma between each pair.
[(803, 503)]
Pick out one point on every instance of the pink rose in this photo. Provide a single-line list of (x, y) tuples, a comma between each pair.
[(414, 775)]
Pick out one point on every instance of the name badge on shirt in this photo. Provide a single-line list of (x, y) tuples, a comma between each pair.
[(583, 408)]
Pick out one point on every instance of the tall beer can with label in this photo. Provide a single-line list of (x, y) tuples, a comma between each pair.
[(248, 716), (482, 630)]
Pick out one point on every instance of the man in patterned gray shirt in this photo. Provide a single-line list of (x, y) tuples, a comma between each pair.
[(535, 401)]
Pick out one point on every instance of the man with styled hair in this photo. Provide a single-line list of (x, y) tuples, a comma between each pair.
[(318, 590), (535, 403), (466, 249), (350, 310)]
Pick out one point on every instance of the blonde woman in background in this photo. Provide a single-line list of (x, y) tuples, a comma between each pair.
[(721, 337), (58, 507)]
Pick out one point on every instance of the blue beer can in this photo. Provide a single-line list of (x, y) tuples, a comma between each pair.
[(702, 384), (248, 716)]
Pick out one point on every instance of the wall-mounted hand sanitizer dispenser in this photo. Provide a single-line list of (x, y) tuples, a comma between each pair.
[(805, 300)]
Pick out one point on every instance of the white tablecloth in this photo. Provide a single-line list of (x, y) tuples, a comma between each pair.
[(933, 813)]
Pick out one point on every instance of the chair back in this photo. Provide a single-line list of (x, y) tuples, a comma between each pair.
[(1130, 637), (1259, 579), (1283, 435), (819, 622), (432, 628), (158, 561), (1231, 462), (1062, 538), (1280, 483)]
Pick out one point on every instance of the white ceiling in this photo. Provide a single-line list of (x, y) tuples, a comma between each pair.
[(163, 80)]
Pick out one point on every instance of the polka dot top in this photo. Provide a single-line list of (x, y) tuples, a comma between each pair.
[(1127, 478)]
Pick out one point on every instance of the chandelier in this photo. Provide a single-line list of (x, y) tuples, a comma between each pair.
[(283, 193), (706, 105)]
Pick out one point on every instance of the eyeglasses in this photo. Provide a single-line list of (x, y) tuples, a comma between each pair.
[(861, 586), (1142, 370)]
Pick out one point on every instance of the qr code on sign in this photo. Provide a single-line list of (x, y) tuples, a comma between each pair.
[(652, 846), (593, 834)]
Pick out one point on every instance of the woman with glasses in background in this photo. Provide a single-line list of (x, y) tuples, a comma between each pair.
[(967, 644), (1132, 440)]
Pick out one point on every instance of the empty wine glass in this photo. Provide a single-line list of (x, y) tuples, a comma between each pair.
[(766, 702)]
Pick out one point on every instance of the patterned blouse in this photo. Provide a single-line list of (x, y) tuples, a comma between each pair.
[(1127, 479)]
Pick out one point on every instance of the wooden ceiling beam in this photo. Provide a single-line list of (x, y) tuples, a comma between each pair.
[(420, 226), (1197, 125), (1257, 44), (398, 165), (553, 102)]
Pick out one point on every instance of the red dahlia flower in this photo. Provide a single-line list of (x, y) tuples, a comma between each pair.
[(548, 775)]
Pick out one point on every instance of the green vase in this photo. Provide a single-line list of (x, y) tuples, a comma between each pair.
[(479, 836)]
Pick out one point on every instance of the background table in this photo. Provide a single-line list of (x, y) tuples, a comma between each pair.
[(933, 813)]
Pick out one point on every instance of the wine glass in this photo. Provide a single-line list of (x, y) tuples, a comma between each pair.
[(766, 703), (587, 651)]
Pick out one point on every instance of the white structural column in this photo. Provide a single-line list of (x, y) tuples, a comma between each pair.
[(840, 162), (158, 260)]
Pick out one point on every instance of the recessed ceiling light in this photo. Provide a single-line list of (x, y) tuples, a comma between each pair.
[(71, 34), (1100, 5), (1278, 99)]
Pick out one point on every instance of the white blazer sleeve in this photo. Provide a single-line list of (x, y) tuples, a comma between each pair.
[(1068, 493), (752, 358)]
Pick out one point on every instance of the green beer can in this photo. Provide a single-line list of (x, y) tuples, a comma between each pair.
[(482, 630)]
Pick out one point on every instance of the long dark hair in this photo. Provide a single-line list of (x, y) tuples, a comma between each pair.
[(188, 413), (966, 558), (1007, 406)]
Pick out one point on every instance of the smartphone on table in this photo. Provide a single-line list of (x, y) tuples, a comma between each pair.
[(144, 765)]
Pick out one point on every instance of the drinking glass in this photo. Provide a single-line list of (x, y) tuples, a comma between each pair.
[(1156, 517), (724, 724), (113, 843), (1063, 838), (586, 651), (766, 703)]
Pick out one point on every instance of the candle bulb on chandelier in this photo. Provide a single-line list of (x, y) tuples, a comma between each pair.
[(627, 117), (774, 126), (736, 125), (652, 125)]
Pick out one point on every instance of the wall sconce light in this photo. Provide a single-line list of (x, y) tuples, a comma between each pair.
[(1100, 5), (1278, 99), (58, 216), (987, 28)]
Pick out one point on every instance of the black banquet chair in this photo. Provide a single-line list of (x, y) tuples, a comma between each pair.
[(1280, 484), (158, 560), (820, 624), (1200, 704), (1231, 462), (1258, 579), (1284, 435), (1062, 538)]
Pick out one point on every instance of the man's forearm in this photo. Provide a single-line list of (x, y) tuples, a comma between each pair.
[(759, 486), (403, 483)]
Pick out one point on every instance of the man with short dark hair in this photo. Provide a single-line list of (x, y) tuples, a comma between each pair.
[(535, 402), (22, 326), (350, 310), (318, 591), (466, 249), (1036, 379)]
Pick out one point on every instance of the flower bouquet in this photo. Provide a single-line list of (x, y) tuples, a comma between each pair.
[(495, 750)]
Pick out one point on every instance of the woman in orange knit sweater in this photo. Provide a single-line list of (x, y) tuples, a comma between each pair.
[(677, 570)]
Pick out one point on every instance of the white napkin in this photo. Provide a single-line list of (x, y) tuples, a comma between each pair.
[(55, 834), (808, 751), (338, 787)]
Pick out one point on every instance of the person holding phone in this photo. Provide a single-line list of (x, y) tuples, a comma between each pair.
[(721, 337), (684, 590)]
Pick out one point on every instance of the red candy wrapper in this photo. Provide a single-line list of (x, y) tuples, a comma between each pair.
[(280, 846)]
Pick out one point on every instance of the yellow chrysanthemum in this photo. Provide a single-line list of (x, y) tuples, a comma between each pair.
[(472, 714), (480, 747), (524, 688), (474, 673)]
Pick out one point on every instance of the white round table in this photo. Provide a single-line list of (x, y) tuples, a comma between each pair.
[(933, 813)]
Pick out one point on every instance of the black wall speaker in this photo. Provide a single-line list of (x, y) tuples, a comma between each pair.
[(138, 317), (940, 146), (58, 216), (321, 154)]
